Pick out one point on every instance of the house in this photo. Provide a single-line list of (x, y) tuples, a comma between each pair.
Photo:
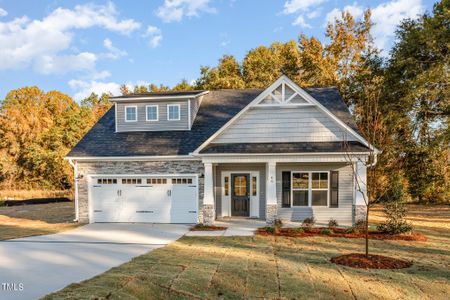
[(196, 156)]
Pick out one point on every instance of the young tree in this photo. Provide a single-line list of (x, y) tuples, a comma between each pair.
[(374, 130)]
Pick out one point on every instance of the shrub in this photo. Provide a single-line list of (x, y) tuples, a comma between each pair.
[(350, 230), (325, 231), (308, 222), (395, 209), (332, 223), (360, 225), (269, 229), (299, 230)]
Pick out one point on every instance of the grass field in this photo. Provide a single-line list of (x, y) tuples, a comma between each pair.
[(280, 268), (36, 219)]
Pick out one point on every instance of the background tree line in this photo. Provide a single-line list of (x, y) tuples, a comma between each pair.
[(406, 91)]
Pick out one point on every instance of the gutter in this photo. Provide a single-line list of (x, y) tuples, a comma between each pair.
[(75, 174)]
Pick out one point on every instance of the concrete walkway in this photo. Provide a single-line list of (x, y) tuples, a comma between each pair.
[(235, 227), (44, 264)]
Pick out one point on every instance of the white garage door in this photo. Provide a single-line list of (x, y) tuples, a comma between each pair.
[(152, 199)]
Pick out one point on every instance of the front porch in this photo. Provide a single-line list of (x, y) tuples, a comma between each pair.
[(289, 188)]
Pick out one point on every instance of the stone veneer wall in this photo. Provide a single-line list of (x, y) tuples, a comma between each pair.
[(271, 213), (138, 168)]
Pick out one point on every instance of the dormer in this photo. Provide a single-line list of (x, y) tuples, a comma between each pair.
[(160, 111)]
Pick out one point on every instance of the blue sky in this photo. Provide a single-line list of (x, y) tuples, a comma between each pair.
[(82, 46)]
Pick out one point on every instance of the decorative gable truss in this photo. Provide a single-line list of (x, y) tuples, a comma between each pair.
[(284, 95)]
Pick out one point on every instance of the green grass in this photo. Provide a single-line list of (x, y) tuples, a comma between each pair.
[(274, 268)]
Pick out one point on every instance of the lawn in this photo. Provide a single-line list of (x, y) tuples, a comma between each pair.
[(37, 219), (280, 268)]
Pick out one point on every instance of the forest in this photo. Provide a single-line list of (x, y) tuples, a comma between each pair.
[(402, 96)]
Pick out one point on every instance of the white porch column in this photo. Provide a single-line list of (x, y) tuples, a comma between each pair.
[(208, 195), (271, 192), (360, 181)]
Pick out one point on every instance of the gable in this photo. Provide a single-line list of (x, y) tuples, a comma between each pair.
[(286, 113)]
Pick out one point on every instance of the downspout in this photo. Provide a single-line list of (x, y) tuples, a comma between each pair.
[(75, 174)]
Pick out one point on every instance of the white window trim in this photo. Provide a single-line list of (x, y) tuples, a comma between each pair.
[(179, 112), (125, 110), (254, 200), (310, 189), (146, 113)]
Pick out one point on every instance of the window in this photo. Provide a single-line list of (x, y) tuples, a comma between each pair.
[(227, 185), (131, 181), (156, 181), (240, 185), (151, 113), (319, 187), (106, 181), (300, 191), (310, 188), (173, 112), (254, 186), (181, 180), (130, 113)]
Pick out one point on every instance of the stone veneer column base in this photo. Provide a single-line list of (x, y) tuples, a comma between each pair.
[(208, 214), (271, 213), (359, 213)]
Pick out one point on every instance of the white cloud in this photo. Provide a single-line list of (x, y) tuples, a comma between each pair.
[(25, 42), (355, 10), (175, 10), (47, 64), (114, 52), (85, 88), (301, 22), (294, 6), (308, 8), (154, 35), (3, 12), (386, 16)]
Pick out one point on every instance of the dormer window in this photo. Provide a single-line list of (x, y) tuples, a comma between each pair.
[(151, 112), (173, 112), (130, 113)]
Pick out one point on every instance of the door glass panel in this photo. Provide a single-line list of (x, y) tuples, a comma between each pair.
[(240, 186), (226, 185), (254, 189)]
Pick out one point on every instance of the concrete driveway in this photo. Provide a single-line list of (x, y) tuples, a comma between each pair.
[(44, 264)]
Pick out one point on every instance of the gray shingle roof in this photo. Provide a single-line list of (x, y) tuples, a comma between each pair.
[(294, 147), (217, 108), (160, 94)]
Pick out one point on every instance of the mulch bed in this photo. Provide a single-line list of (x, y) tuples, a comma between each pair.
[(200, 227), (372, 261), (339, 232)]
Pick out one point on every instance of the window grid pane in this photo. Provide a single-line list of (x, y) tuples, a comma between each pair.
[(131, 113), (174, 112), (152, 113)]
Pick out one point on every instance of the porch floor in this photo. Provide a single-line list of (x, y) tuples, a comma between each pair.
[(235, 227)]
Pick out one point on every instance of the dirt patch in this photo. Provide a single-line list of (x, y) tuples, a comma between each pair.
[(339, 232), (372, 261), (201, 227)]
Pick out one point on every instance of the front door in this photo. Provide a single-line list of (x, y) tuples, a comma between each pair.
[(240, 195)]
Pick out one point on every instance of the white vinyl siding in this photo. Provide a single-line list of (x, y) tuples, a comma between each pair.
[(130, 113), (151, 113), (278, 125), (322, 214), (143, 125)]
